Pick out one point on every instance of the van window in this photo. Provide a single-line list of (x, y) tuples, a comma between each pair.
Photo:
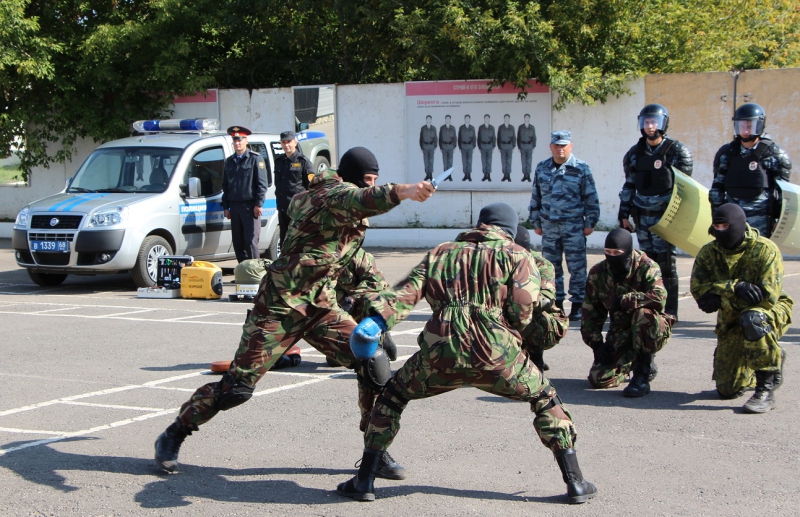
[(132, 169), (207, 165), (261, 148)]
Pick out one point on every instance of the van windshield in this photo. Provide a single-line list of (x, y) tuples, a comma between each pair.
[(126, 169)]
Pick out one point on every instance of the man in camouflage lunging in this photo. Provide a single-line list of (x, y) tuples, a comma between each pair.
[(483, 289), (297, 297)]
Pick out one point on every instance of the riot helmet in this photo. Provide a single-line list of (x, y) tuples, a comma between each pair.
[(749, 121), (656, 113)]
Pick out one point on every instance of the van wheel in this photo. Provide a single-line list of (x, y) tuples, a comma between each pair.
[(321, 164), (46, 279), (145, 271), (274, 250)]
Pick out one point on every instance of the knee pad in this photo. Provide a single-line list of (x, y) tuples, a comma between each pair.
[(754, 325), (376, 370), (232, 393)]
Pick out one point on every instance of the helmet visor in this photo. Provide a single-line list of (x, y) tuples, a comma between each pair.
[(747, 128), (650, 123)]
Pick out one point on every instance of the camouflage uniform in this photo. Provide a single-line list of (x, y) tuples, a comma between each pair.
[(428, 143), (506, 143), (466, 143), (547, 327), (526, 141), (640, 326), (447, 143), (297, 297), (564, 202), (764, 206), (483, 290), (717, 270), (641, 198)]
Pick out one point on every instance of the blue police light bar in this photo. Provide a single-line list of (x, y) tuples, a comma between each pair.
[(175, 124)]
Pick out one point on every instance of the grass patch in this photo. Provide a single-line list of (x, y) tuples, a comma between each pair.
[(10, 174)]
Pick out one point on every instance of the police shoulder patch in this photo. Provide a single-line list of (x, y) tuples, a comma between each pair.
[(261, 165)]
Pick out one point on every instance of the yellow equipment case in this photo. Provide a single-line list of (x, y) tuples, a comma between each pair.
[(201, 280)]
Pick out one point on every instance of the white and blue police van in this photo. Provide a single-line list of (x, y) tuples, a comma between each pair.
[(137, 198)]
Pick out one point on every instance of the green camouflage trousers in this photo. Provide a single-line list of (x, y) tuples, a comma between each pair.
[(268, 332), (642, 331), (522, 381), (736, 359), (545, 331)]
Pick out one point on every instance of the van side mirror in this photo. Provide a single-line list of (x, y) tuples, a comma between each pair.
[(194, 187), (68, 182), (303, 126)]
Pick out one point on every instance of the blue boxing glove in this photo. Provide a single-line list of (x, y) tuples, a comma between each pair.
[(365, 337)]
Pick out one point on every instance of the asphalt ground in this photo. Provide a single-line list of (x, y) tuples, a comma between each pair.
[(92, 374)]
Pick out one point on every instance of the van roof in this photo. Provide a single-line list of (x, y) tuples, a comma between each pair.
[(177, 139)]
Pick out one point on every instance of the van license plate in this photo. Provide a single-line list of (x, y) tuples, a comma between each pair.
[(53, 246)]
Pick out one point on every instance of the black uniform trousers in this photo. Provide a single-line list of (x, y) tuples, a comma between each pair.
[(245, 230), (283, 222)]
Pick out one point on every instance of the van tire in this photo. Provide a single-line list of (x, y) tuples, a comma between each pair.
[(46, 279), (321, 164), (145, 270), (274, 250)]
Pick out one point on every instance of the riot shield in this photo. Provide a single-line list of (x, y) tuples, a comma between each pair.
[(687, 218), (787, 233)]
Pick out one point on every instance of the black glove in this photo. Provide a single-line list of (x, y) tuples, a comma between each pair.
[(751, 293), (603, 354), (388, 346), (709, 302), (544, 304)]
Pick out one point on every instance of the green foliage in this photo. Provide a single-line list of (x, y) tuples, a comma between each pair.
[(88, 68)]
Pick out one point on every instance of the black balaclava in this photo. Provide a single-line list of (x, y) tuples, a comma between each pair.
[(523, 237), (355, 163), (502, 215), (620, 239), (732, 214)]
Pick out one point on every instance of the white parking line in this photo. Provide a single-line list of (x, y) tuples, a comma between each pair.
[(113, 406), (27, 431), (123, 313)]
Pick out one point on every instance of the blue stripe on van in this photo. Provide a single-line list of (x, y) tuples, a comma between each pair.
[(69, 204)]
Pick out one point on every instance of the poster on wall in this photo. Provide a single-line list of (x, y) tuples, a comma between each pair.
[(492, 139)]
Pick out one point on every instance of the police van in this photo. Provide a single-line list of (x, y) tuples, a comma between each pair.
[(137, 198)]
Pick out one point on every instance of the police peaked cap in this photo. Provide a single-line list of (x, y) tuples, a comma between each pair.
[(238, 131)]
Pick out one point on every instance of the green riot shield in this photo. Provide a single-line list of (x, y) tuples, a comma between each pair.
[(687, 218), (787, 233)]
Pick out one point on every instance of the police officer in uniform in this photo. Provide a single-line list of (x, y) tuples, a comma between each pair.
[(526, 141), (428, 144), (244, 187), (293, 172), (648, 189), (466, 143), (447, 143), (745, 170), (506, 142), (486, 143)]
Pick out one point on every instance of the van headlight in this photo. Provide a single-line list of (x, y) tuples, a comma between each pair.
[(22, 218), (108, 217)]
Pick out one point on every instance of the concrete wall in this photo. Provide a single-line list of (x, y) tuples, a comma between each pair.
[(700, 106)]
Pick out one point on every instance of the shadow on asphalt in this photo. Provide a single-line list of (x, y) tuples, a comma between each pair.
[(195, 483), (578, 391)]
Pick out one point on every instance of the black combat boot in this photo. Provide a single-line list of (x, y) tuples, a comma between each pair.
[(168, 445), (362, 486), (779, 374), (763, 399), (560, 304), (640, 383), (467, 177), (575, 312), (578, 489), (390, 469)]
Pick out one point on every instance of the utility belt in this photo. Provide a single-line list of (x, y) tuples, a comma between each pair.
[(638, 212)]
